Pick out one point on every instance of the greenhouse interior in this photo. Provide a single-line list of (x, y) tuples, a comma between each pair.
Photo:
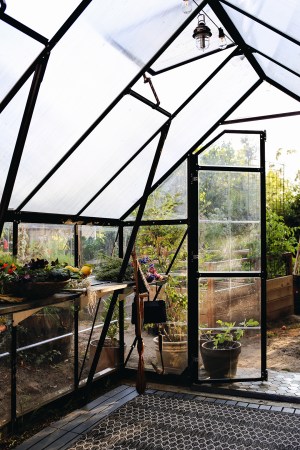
[(167, 256)]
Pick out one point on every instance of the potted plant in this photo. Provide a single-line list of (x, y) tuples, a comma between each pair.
[(36, 279), (174, 331), (110, 354), (221, 350)]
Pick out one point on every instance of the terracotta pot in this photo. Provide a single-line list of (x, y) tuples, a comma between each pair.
[(175, 356), (220, 363)]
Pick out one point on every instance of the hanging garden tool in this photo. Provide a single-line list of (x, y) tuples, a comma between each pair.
[(139, 305)]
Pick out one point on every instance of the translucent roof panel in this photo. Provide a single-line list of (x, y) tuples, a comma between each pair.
[(265, 100), (137, 28), (204, 111), (95, 71), (16, 55), (280, 75), (43, 17), (183, 48), (175, 86), (126, 189), (97, 159), (279, 14), (10, 123), (266, 41)]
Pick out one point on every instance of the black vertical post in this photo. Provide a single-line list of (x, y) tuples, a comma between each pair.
[(13, 364), (264, 372), (76, 246), (121, 304), (21, 139), (127, 255), (76, 343), (15, 238), (193, 267)]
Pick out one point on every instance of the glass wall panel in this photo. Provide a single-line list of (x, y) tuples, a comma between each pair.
[(5, 369), (18, 51), (236, 150), (97, 240), (228, 246), (204, 111), (265, 40), (169, 200), (46, 241), (98, 158), (6, 242), (280, 75), (156, 246), (45, 364), (230, 196), (174, 332), (126, 189), (229, 221), (229, 310), (281, 15)]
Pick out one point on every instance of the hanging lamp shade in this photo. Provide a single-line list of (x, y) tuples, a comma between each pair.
[(202, 33)]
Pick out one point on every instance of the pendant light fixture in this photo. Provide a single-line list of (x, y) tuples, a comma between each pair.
[(186, 6), (202, 33), (222, 39)]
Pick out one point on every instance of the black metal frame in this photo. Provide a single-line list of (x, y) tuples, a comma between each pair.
[(260, 274), (39, 66)]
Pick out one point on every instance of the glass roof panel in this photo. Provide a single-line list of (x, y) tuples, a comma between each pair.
[(96, 160), (266, 41), (95, 71), (220, 94), (266, 99), (137, 28), (183, 48), (10, 123), (126, 189), (175, 86), (43, 17), (279, 14), (279, 74), (16, 55)]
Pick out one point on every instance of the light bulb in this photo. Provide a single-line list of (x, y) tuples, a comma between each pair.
[(202, 42), (186, 6), (222, 39)]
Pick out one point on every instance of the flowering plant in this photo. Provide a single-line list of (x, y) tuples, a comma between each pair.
[(149, 269), (38, 270)]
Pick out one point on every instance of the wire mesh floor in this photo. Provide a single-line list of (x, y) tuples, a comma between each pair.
[(84, 428)]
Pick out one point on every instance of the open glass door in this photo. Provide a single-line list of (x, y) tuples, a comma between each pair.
[(231, 255)]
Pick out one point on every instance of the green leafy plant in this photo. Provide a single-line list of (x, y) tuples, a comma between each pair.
[(113, 329), (229, 334), (109, 269), (176, 306)]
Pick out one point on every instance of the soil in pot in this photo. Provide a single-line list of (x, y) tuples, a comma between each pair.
[(220, 362)]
